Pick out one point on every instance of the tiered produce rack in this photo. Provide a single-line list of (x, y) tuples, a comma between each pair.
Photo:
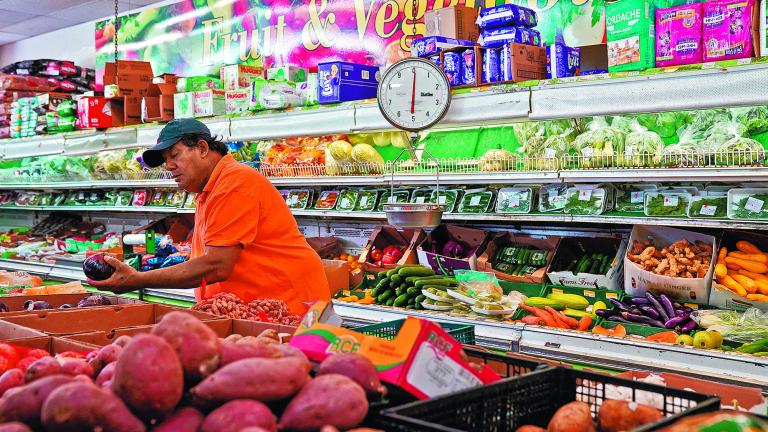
[(724, 84)]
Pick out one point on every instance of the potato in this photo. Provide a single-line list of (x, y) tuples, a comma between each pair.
[(10, 379), (328, 400), (83, 406), (232, 352), (530, 428), (106, 374), (23, 403), (255, 340), (264, 380), (232, 338), (616, 415), (239, 414), (14, 427), (572, 417), (195, 343), (77, 367), (43, 367), (148, 377), (106, 355), (122, 341), (185, 419), (357, 367)]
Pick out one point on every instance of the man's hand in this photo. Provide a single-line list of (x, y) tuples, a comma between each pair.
[(124, 279)]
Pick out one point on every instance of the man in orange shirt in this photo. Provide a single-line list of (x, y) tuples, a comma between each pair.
[(245, 240)]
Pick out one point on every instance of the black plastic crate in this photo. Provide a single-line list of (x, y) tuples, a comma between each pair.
[(532, 399)]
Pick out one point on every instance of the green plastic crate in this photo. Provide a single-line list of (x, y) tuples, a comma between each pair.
[(530, 290), (592, 295), (388, 330), (632, 329)]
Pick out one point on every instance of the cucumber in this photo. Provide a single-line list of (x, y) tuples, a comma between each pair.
[(594, 266), (383, 284), (606, 266), (420, 298), (411, 300), (390, 301), (389, 273), (410, 280), (395, 279), (445, 281), (572, 265), (401, 300), (412, 307), (416, 271), (583, 265), (384, 296), (399, 291), (413, 291), (376, 291)]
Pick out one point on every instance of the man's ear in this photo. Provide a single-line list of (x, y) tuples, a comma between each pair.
[(203, 146)]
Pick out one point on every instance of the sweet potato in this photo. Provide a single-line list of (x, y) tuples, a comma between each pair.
[(195, 343), (357, 367), (256, 340), (254, 429), (148, 377), (530, 428), (328, 400), (185, 419), (270, 334), (77, 367), (232, 352), (106, 374), (23, 403), (264, 380), (83, 406), (572, 417), (43, 367), (618, 415), (292, 351), (239, 414), (14, 427), (334, 429), (10, 379)]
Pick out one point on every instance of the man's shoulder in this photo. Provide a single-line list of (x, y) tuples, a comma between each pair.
[(238, 174)]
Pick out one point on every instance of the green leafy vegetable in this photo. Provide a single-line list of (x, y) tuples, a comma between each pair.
[(717, 207), (665, 205)]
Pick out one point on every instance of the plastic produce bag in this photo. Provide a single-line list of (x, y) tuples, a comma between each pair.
[(498, 160), (479, 285), (599, 143), (687, 152), (754, 119), (642, 147), (744, 327), (727, 145)]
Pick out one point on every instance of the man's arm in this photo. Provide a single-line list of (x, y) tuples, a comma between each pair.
[(215, 266)]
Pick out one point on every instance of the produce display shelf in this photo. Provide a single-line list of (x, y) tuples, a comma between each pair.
[(129, 209), (633, 175), (92, 184)]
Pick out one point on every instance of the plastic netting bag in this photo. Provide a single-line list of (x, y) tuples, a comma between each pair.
[(740, 327)]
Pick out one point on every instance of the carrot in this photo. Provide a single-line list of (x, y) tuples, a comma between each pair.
[(762, 286), (619, 331), (734, 286), (532, 319), (747, 247), (754, 276), (761, 258), (584, 323), (547, 318), (667, 336), (568, 321), (556, 317), (732, 266), (757, 297), (746, 282), (722, 254), (600, 330), (753, 266)]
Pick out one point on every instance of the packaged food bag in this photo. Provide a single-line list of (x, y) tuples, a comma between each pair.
[(506, 15), (727, 29), (642, 147), (678, 35)]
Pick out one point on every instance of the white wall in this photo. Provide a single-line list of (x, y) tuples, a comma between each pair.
[(71, 43)]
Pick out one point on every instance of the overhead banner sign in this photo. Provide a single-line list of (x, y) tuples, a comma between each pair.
[(197, 37)]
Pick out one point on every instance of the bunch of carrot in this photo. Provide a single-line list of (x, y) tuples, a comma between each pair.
[(550, 317), (744, 271)]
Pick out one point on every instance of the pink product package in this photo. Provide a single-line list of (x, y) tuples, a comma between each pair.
[(678, 35), (727, 29)]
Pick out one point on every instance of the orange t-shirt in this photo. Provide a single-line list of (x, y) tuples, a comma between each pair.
[(238, 206)]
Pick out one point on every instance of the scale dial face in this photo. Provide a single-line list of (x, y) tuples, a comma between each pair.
[(414, 94)]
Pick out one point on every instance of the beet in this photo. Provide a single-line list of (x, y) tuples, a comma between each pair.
[(94, 300), (39, 305), (96, 268)]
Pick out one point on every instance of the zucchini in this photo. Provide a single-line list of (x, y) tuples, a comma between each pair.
[(445, 281), (583, 265), (401, 300), (416, 271), (594, 266), (390, 301), (412, 291), (384, 296)]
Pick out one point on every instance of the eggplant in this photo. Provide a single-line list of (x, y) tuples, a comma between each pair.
[(666, 303), (676, 321), (651, 312), (639, 301), (605, 313), (641, 319), (4, 307), (688, 326), (39, 305), (454, 249), (619, 305), (677, 305), (660, 309), (96, 268), (619, 318)]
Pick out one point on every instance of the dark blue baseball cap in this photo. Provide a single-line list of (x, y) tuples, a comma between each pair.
[(170, 135)]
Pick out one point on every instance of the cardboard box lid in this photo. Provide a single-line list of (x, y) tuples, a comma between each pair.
[(11, 331), (16, 303)]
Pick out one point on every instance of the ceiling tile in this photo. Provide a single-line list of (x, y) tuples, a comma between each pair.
[(8, 17), (38, 25), (86, 12), (10, 37), (38, 6)]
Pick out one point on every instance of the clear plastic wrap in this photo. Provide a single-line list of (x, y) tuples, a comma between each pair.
[(599, 143), (642, 147)]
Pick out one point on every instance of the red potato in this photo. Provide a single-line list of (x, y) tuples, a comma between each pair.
[(148, 377), (185, 419), (10, 379), (14, 427), (83, 406), (356, 367), (530, 428), (43, 367), (195, 343), (328, 400), (572, 417), (616, 415), (23, 403), (264, 380), (106, 374), (77, 367), (240, 414), (232, 352), (122, 341), (232, 338), (106, 355)]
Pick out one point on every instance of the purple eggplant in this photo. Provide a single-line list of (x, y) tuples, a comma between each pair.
[(605, 313), (619, 305), (619, 318), (676, 321), (666, 303), (639, 301), (641, 319), (651, 312), (659, 308), (682, 312), (677, 305), (688, 326)]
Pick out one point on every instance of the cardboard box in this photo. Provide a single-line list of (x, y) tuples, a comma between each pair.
[(209, 103), (384, 236), (720, 296), (526, 62), (427, 46), (337, 272), (10, 331), (342, 81), (630, 35), (158, 104), (637, 281), (236, 77), (16, 303), (288, 73), (184, 105), (237, 101), (254, 328), (573, 248), (594, 58), (473, 239), (501, 240), (456, 22), (55, 345), (60, 323), (94, 112), (134, 81), (422, 359)]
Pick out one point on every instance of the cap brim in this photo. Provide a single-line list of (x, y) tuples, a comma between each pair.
[(153, 157)]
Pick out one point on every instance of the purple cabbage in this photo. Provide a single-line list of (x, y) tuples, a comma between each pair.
[(94, 300), (38, 305)]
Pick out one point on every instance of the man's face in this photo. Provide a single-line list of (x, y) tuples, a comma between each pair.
[(187, 166)]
